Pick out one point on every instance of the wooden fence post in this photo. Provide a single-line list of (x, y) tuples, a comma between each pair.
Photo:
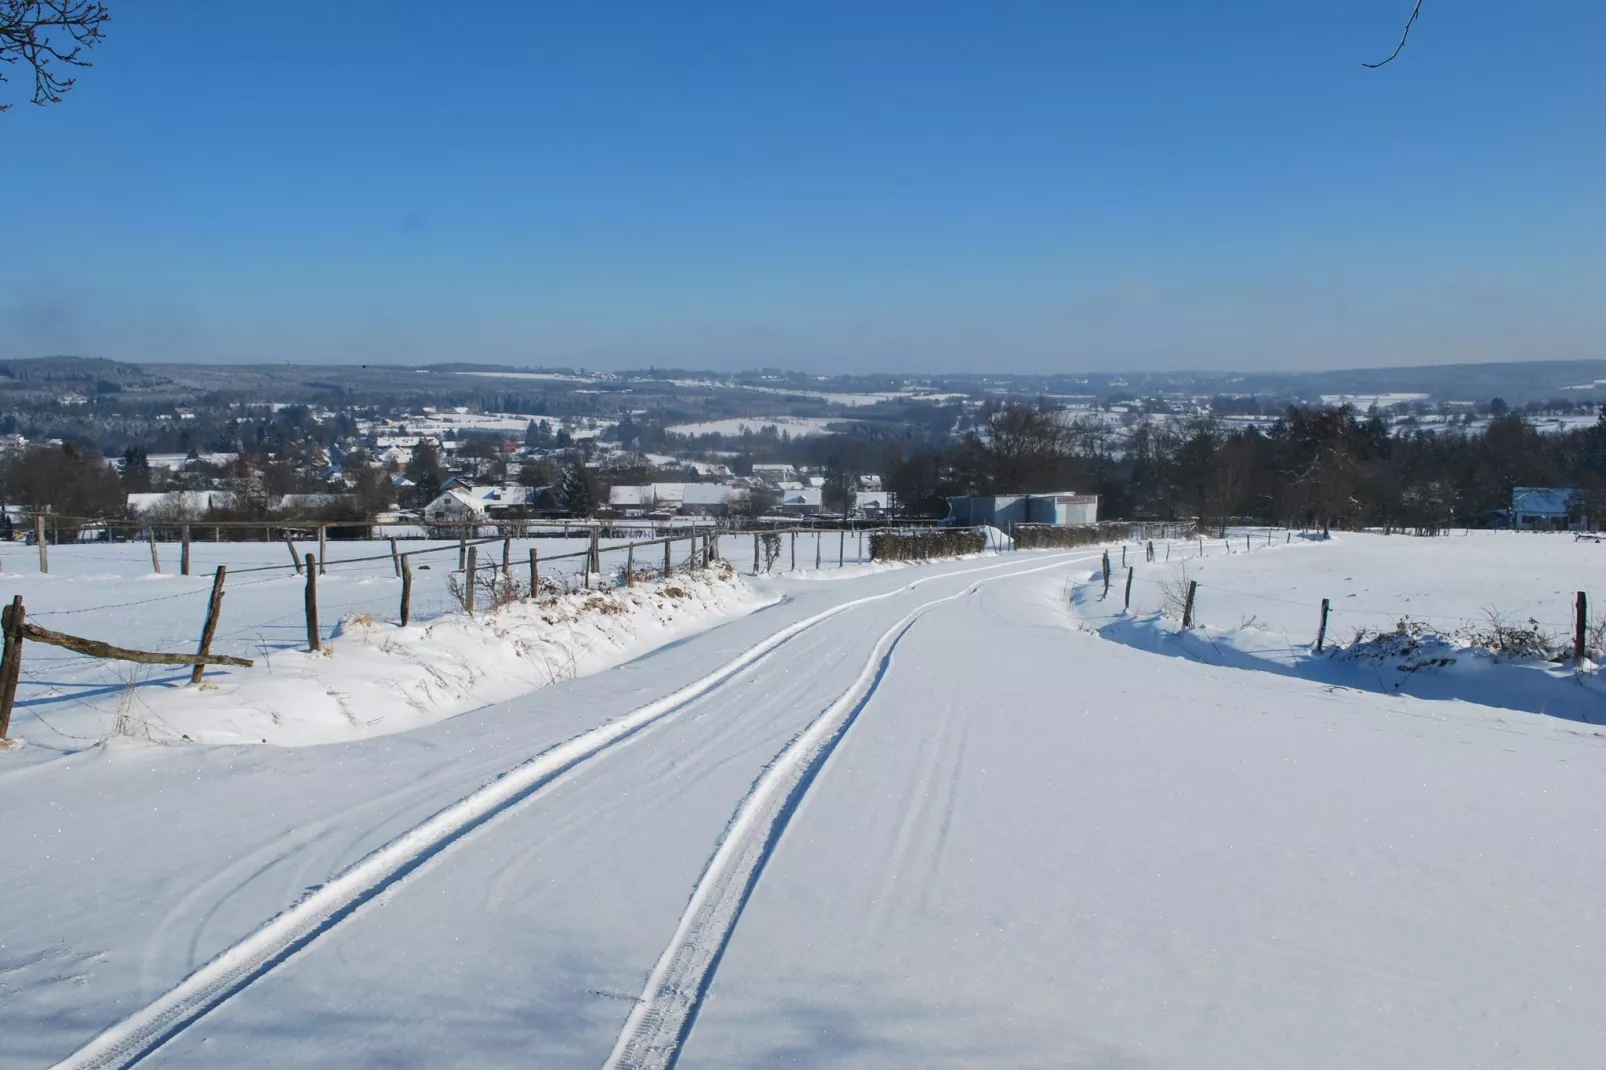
[(841, 546), (468, 579), (395, 560), (1580, 626), (156, 562), (39, 537), (818, 536), (507, 554), (1321, 629), (535, 573), (184, 551), (1106, 571), (668, 564), (11, 662), (462, 548), (313, 642), (794, 549), (594, 562), (323, 547), (294, 555), (630, 565), (1129, 571), (407, 588), (1187, 609), (214, 608), (755, 553)]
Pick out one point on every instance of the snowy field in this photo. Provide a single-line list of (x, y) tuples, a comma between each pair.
[(1258, 606), (913, 816), (796, 426)]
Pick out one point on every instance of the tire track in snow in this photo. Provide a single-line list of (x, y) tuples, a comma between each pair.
[(660, 1022), (233, 969)]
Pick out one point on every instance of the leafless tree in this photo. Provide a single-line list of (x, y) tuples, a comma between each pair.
[(47, 35)]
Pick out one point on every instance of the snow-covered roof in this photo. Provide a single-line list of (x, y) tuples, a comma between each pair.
[(630, 496), (1541, 501), (705, 494), (193, 501)]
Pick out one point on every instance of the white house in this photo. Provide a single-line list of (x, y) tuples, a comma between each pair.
[(467, 502), (1001, 510), (180, 502), (801, 500), (1541, 507), (774, 473)]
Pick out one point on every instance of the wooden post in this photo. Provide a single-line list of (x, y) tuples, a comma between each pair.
[(794, 549), (468, 579), (861, 546), (313, 642), (407, 588), (668, 564), (323, 547), (1321, 629), (156, 562), (214, 608), (395, 559), (630, 565), (1129, 571), (11, 662), (294, 556), (755, 553), (535, 573), (595, 560), (1246, 544), (1580, 626), (818, 537), (39, 537), (184, 551), (462, 549), (1106, 593), (1187, 609), (1123, 555), (841, 546), (507, 553)]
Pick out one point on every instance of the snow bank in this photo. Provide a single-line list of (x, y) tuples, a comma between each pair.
[(374, 677)]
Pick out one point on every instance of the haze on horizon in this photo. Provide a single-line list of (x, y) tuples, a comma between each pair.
[(901, 187)]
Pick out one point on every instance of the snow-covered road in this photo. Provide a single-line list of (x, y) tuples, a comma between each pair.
[(914, 819)]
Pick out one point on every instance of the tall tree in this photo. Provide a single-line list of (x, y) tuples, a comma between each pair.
[(577, 494), (426, 471)]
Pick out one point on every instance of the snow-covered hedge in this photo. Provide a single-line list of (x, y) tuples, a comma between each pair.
[(924, 545)]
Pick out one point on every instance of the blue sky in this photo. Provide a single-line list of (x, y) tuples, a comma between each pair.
[(830, 185)]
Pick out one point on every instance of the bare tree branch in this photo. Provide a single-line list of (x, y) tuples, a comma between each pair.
[(43, 32), (1403, 35)]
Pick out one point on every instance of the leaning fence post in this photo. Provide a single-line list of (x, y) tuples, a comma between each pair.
[(313, 643), (1321, 629), (1187, 608), (184, 551), (214, 608), (156, 562), (1580, 626), (407, 588), (468, 579), (294, 555), (39, 537), (1106, 571), (395, 560), (1129, 570), (11, 661)]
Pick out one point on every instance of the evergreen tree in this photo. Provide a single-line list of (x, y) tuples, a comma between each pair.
[(135, 470), (426, 471), (577, 494)]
